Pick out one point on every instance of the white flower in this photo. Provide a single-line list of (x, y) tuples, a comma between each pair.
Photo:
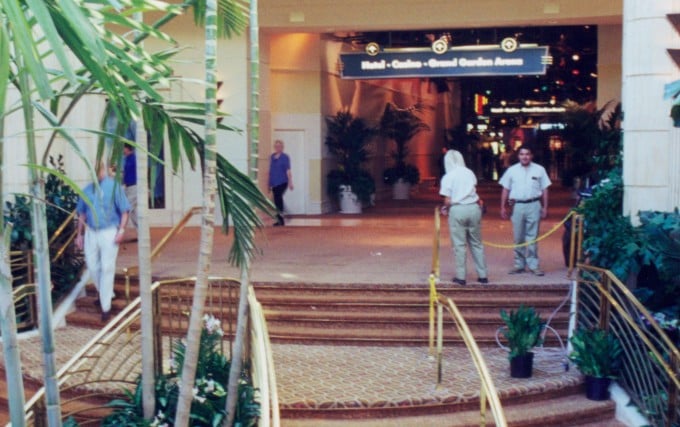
[(199, 399), (173, 364), (212, 324), (158, 420)]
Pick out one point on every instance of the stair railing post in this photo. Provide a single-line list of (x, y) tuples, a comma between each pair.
[(39, 413), (158, 334), (604, 302), (440, 341), (433, 301), (482, 405), (672, 409), (435, 243)]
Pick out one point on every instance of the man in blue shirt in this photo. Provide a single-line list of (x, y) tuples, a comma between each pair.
[(280, 178), (101, 228)]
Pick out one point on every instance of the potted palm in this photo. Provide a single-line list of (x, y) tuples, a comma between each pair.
[(523, 332), (597, 354), (348, 139), (401, 125)]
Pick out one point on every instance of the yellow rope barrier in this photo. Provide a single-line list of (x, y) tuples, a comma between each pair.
[(538, 239)]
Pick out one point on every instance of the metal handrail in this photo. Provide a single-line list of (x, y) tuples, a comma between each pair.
[(176, 229), (26, 306), (21, 260), (435, 244), (264, 378), (487, 391), (111, 360), (651, 361)]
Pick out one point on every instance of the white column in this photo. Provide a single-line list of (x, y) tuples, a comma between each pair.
[(651, 154)]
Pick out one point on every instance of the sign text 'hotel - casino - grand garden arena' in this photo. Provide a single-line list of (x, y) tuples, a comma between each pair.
[(423, 62)]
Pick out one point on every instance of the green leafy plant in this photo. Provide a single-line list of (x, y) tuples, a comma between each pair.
[(408, 173), (61, 201), (522, 330), (348, 140), (208, 406), (611, 241), (401, 125), (675, 113), (595, 143), (596, 353)]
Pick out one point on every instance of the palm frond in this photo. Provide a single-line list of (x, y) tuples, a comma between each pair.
[(240, 198)]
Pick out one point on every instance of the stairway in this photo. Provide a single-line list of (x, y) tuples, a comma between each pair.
[(397, 314), (338, 318)]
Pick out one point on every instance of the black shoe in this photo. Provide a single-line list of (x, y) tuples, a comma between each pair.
[(483, 280), (105, 316), (459, 281), (279, 224)]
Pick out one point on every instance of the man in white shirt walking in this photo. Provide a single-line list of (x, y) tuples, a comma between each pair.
[(525, 192)]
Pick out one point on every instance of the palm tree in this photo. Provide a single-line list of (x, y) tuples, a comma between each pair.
[(240, 337), (125, 81), (207, 223), (8, 324)]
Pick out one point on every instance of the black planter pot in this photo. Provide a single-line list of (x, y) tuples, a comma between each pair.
[(522, 365), (597, 388)]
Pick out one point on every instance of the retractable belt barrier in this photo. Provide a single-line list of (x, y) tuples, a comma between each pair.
[(539, 238)]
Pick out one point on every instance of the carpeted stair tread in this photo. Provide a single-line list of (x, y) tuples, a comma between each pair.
[(561, 412)]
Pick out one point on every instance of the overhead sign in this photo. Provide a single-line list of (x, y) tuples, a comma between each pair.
[(478, 61)]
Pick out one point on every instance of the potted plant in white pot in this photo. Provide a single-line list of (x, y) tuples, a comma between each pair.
[(401, 125), (597, 354), (348, 139), (523, 329)]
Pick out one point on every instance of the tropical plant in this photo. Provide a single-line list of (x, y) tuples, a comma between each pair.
[(209, 395), (596, 353), (595, 144), (675, 114), (400, 126), (61, 201), (125, 73), (522, 330), (348, 139), (611, 241)]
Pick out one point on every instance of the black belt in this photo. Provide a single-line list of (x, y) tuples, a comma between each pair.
[(535, 199)]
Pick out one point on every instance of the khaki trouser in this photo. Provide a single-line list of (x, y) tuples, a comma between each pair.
[(464, 227), (131, 194), (526, 218)]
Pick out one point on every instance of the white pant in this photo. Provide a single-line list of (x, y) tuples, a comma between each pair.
[(101, 251)]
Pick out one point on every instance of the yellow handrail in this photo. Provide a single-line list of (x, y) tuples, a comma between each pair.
[(435, 244), (487, 390), (612, 303), (651, 361), (128, 271)]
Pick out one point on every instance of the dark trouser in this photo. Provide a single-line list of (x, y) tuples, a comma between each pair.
[(279, 191)]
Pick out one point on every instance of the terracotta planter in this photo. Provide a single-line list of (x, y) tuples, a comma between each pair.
[(521, 366), (597, 388)]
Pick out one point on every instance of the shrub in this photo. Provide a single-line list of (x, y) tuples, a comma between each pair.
[(208, 406)]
